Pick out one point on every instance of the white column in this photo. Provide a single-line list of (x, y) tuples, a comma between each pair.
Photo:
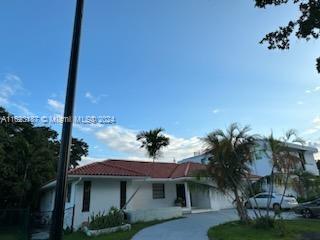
[(187, 192)]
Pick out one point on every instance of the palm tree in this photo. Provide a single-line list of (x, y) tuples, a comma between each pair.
[(231, 153), (272, 150), (153, 141), (282, 160), (289, 160)]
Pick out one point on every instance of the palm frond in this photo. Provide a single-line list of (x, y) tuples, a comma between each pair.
[(153, 141)]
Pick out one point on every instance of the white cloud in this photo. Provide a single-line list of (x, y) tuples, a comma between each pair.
[(315, 126), (87, 128), (94, 99), (300, 102), (10, 87), (123, 140), (315, 89), (216, 111), (88, 160), (56, 105)]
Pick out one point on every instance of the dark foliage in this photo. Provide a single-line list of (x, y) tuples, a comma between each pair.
[(28, 159), (306, 26), (231, 153), (153, 141)]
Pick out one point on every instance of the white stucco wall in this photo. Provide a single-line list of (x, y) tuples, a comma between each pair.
[(105, 193), (219, 200), (47, 206), (143, 198), (311, 165), (200, 198), (153, 214)]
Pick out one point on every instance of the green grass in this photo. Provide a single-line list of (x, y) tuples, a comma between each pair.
[(238, 231), (122, 235), (12, 234)]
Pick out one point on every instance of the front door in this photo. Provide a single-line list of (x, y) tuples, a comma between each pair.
[(181, 194), (123, 193)]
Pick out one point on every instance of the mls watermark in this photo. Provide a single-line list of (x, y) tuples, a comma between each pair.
[(57, 119)]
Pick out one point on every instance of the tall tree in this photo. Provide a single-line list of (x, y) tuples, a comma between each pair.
[(306, 26), (231, 153), (153, 141), (28, 159), (79, 148)]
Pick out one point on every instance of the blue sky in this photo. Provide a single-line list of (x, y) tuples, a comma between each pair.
[(188, 66)]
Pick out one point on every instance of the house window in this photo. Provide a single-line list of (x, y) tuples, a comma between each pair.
[(86, 196), (158, 191), (69, 192)]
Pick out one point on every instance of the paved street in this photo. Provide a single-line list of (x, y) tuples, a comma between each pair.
[(193, 226)]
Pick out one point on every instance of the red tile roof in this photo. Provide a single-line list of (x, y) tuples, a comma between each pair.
[(127, 168)]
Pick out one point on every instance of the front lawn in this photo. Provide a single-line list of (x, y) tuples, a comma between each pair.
[(295, 229), (122, 235), (12, 234)]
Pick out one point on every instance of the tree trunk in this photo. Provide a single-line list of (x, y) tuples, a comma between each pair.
[(22, 196), (255, 200), (242, 211), (270, 191), (285, 188)]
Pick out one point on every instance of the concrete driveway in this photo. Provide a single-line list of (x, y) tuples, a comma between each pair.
[(193, 226)]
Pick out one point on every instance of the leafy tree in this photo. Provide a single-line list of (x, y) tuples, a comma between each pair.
[(153, 141), (318, 164), (306, 26), (231, 153), (28, 159), (79, 148)]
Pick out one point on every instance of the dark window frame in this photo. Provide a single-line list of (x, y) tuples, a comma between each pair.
[(123, 193), (69, 189), (86, 196), (158, 191)]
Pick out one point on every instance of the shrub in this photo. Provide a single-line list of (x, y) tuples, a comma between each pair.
[(281, 228), (115, 217), (264, 222)]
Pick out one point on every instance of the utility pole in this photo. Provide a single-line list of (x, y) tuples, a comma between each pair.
[(56, 231)]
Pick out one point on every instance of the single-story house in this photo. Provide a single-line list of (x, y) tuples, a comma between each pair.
[(144, 187)]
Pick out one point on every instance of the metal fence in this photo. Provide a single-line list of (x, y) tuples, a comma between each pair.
[(40, 222), (21, 224)]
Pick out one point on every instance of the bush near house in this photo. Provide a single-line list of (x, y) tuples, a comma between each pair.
[(115, 217)]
